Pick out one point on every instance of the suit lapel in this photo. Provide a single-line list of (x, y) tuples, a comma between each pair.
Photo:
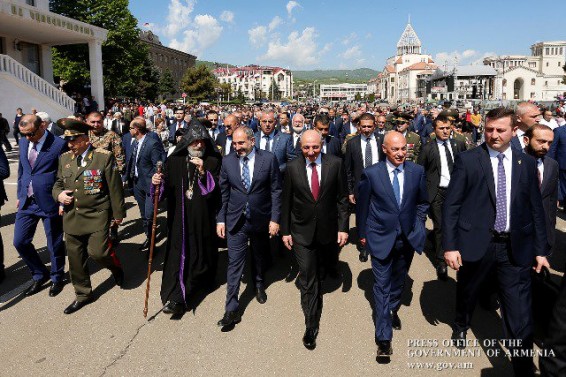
[(304, 179), (44, 150), (24, 154), (323, 174), (487, 171), (258, 163), (545, 178), (516, 170), (387, 182), (358, 144), (407, 182)]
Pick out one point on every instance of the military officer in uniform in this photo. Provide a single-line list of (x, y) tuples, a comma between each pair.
[(89, 189), (402, 121)]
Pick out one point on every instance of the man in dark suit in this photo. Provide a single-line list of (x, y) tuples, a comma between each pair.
[(224, 139), (278, 143), (346, 127), (538, 140), (37, 171), (297, 129), (49, 125), (437, 158), (175, 124), (390, 215), (362, 151), (314, 221), (558, 153), (527, 115), (250, 184), (330, 144), (4, 173), (493, 219), (146, 151)]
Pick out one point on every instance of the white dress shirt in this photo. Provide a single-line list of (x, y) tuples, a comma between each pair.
[(140, 143), (374, 150), (540, 167), (444, 171), (400, 176), (262, 141), (507, 164), (520, 134), (251, 164), (318, 163), (227, 145), (83, 156), (552, 123)]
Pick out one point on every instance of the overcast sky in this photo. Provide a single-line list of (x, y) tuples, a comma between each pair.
[(348, 34)]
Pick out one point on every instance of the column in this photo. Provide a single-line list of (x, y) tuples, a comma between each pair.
[(96, 82), (46, 58)]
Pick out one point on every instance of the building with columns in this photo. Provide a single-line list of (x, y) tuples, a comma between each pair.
[(403, 74), (536, 77), (28, 30), (254, 81)]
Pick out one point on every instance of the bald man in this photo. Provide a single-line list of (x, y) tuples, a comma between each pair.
[(314, 221), (390, 214), (528, 114), (224, 139)]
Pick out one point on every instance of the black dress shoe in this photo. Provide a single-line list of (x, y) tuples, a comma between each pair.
[(35, 287), (384, 349), (114, 234), (334, 273), (363, 256), (76, 305), (459, 339), (173, 307), (230, 319), (145, 245), (395, 321), (309, 339), (442, 272), (260, 295), (119, 277), (56, 288)]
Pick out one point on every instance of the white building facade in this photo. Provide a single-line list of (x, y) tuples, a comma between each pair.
[(342, 92), (536, 77), (255, 82), (28, 31)]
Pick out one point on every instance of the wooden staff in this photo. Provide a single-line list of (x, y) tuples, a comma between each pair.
[(153, 231)]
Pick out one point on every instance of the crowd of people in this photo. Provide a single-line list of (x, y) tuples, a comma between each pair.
[(255, 179)]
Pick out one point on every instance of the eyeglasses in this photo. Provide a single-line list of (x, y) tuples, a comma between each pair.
[(29, 134)]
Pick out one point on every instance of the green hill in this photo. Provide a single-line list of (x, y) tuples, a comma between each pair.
[(212, 65), (354, 76)]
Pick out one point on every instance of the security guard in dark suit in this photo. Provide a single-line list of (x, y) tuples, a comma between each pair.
[(89, 190)]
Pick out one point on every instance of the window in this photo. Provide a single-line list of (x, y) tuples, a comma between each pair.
[(30, 2), (547, 64), (504, 83), (533, 82), (559, 64), (546, 83), (546, 50), (532, 94)]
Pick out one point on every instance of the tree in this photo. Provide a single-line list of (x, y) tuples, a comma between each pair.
[(274, 93), (240, 96), (199, 83), (225, 90), (148, 85), (358, 97), (167, 83), (371, 97), (124, 56)]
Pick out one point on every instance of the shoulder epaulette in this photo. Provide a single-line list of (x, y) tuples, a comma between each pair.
[(103, 151)]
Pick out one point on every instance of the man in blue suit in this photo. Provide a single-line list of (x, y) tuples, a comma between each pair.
[(175, 124), (37, 171), (146, 151), (557, 152), (493, 220), (271, 140), (4, 173), (250, 184), (390, 214)]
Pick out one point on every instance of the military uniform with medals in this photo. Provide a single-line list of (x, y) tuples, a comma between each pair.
[(98, 197)]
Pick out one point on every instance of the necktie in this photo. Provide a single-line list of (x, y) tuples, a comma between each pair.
[(267, 148), (368, 159), (298, 143), (246, 174), (133, 160), (396, 186), (501, 197), (32, 157), (79, 160), (448, 157), (315, 186)]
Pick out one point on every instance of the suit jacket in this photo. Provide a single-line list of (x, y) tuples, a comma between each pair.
[(221, 144), (516, 144), (429, 158), (344, 131), (378, 216), (173, 128), (549, 193), (354, 162), (4, 173), (468, 213), (42, 175), (307, 219), (557, 149), (281, 146), (263, 196), (333, 146), (151, 151), (56, 130)]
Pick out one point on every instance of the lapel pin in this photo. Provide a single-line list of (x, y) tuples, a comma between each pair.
[(519, 162)]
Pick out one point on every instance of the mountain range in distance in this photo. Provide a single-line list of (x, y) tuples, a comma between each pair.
[(322, 76)]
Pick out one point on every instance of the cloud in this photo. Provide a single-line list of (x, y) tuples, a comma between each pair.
[(349, 39), (469, 53), (204, 32), (299, 50), (227, 16), (292, 5), (327, 47), (178, 17), (258, 36), (276, 21), (352, 53)]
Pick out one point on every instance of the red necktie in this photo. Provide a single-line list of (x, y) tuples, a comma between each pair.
[(315, 186)]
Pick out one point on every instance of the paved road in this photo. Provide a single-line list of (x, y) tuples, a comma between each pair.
[(110, 337)]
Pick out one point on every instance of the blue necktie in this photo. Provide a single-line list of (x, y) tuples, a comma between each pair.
[(396, 187), (501, 197), (246, 182)]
